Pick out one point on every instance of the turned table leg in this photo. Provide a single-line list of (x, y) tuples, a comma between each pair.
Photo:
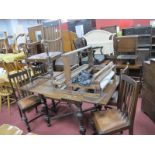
[(79, 115)]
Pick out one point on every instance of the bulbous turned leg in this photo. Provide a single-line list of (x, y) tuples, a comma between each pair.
[(79, 115)]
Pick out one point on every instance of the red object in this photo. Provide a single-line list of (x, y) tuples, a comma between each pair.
[(64, 26), (122, 23)]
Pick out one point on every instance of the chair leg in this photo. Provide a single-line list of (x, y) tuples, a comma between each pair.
[(36, 109), (24, 118), (54, 106), (131, 131), (93, 127), (47, 117), (98, 107), (20, 112), (8, 101)]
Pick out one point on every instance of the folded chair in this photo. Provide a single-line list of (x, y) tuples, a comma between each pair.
[(116, 120), (25, 100)]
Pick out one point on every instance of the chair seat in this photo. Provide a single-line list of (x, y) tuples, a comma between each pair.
[(107, 121), (29, 102), (7, 129)]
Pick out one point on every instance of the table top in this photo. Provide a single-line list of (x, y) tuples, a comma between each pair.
[(44, 87), (43, 56)]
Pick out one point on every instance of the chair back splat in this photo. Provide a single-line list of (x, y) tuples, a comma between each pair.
[(127, 98), (17, 80)]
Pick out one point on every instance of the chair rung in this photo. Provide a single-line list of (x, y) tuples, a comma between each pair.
[(35, 118)]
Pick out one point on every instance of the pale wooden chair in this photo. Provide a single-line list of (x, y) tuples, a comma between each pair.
[(13, 67), (6, 95), (116, 120), (7, 129), (52, 36)]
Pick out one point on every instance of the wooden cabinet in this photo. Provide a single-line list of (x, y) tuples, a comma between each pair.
[(148, 89), (125, 49), (126, 54), (153, 42), (146, 38), (139, 30)]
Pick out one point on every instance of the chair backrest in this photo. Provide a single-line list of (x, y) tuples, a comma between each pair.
[(53, 37), (80, 42), (35, 33), (9, 66), (17, 80), (127, 97)]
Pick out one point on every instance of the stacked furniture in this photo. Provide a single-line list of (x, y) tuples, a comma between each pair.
[(144, 42), (148, 89), (36, 35), (126, 54)]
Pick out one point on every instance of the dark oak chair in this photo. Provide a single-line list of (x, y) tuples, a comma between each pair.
[(116, 120), (83, 58), (25, 100)]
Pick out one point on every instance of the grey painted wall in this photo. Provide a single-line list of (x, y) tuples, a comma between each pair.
[(11, 25)]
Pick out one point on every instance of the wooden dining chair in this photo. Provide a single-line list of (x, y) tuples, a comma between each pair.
[(25, 100), (83, 58), (116, 120)]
